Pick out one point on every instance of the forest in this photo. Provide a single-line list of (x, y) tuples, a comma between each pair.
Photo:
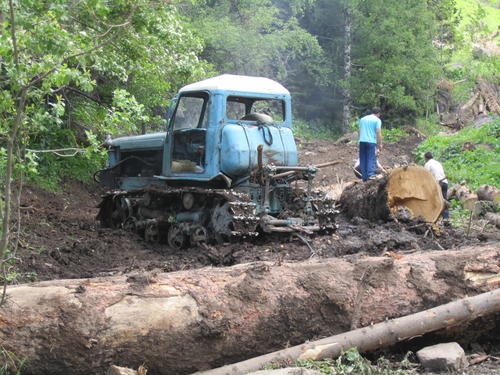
[(75, 73)]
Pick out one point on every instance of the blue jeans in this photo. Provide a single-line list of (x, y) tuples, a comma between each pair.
[(444, 191), (367, 159)]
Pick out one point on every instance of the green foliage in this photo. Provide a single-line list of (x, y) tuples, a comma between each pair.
[(314, 130), (481, 12), (351, 362), (88, 69), (262, 38), (397, 66), (477, 167), (393, 135), (11, 363), (429, 126), (459, 216), (478, 21)]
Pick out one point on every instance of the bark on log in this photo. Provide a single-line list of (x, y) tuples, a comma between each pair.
[(376, 336), (412, 188), (181, 322), (488, 193), (493, 218), (466, 196)]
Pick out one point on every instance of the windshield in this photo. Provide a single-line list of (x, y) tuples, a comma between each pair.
[(190, 112), (243, 108)]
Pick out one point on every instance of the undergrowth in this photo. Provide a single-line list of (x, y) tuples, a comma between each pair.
[(352, 362), (314, 130), (478, 166), (11, 363), (51, 169), (393, 135)]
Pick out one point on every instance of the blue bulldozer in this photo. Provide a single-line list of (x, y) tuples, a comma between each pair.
[(226, 167)]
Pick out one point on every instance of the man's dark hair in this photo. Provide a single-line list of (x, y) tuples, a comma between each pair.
[(376, 110), (428, 155)]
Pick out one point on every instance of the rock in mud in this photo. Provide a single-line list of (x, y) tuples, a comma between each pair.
[(287, 371), (116, 370), (443, 357)]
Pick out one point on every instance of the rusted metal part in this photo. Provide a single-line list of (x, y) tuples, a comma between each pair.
[(297, 169)]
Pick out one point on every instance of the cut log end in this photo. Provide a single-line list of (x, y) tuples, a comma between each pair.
[(415, 189), (411, 188)]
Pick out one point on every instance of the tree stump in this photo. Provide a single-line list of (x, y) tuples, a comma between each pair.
[(412, 188)]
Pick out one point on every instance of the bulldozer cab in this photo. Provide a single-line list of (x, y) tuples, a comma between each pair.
[(241, 108)]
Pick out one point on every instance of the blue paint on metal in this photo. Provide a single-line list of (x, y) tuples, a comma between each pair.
[(138, 142), (230, 146), (189, 216)]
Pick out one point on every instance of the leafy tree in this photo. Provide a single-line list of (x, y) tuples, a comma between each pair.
[(261, 38), (395, 61), (60, 63)]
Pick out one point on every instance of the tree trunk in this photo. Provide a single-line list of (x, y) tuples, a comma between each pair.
[(375, 336), (180, 322), (411, 188), (346, 107)]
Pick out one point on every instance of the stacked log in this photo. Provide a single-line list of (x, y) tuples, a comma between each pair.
[(483, 201), (466, 196), (484, 100), (488, 193)]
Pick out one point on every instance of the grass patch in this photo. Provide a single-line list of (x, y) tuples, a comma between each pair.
[(491, 8), (11, 364), (478, 166), (393, 135)]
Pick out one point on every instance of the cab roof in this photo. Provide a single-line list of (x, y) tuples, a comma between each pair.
[(231, 82)]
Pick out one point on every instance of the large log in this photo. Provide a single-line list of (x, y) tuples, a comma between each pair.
[(412, 188), (178, 323)]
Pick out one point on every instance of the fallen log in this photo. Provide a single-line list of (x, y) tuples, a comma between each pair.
[(375, 336), (412, 188), (466, 196), (178, 323), (488, 193), (493, 218)]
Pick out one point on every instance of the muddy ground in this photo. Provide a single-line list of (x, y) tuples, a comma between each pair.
[(59, 238)]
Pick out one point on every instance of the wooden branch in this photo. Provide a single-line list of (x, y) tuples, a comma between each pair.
[(85, 95), (376, 336), (12, 140), (34, 81), (57, 151)]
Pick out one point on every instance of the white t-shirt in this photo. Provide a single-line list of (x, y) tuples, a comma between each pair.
[(437, 170)]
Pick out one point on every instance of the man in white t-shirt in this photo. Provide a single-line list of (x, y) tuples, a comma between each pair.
[(437, 171)]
